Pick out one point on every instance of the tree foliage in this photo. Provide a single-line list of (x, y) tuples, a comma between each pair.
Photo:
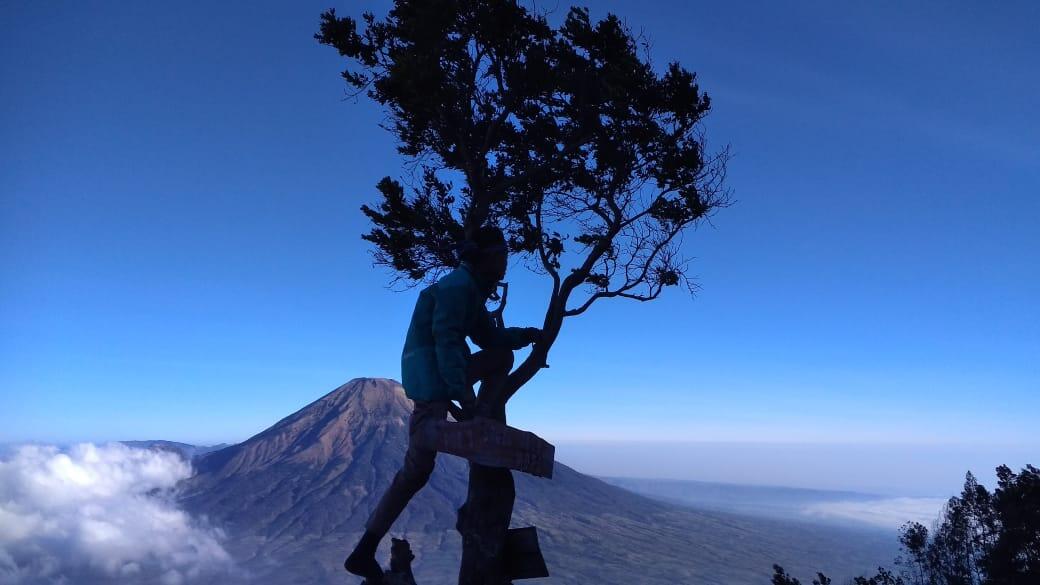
[(593, 160), (980, 538)]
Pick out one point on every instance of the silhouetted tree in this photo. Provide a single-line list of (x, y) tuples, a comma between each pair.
[(1015, 555), (980, 538), (591, 159), (780, 577), (593, 162), (883, 577)]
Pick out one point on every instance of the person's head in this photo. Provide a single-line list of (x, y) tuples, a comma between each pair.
[(486, 252)]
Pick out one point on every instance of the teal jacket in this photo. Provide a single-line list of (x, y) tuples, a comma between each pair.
[(433, 363)]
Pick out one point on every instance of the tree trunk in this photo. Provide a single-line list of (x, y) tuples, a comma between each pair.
[(483, 520)]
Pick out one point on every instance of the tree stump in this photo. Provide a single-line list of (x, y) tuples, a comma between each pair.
[(401, 558)]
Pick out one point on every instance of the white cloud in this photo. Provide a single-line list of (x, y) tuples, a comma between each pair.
[(100, 512), (886, 513)]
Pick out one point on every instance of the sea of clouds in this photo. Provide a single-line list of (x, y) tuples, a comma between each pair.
[(100, 513), (882, 512)]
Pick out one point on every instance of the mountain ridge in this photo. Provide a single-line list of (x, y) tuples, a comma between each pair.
[(187, 451), (294, 498)]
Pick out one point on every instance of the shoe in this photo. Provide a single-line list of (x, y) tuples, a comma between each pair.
[(362, 562)]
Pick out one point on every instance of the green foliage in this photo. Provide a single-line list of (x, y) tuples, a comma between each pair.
[(410, 225), (981, 538), (780, 577), (883, 577), (560, 135)]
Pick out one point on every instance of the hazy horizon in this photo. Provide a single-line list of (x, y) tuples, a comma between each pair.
[(882, 469)]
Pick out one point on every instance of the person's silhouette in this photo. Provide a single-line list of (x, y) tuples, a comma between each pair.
[(437, 367)]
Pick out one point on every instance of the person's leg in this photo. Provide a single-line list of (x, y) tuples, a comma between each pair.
[(490, 367), (413, 475)]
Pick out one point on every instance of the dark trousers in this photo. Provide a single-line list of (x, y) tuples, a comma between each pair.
[(490, 367)]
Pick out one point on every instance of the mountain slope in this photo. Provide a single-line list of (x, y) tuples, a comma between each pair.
[(294, 498)]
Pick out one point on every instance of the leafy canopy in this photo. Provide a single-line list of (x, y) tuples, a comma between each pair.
[(565, 136)]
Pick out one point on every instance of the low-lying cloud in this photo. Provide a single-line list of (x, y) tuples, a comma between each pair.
[(100, 513), (884, 513)]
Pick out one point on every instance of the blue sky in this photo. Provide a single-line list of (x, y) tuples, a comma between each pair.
[(180, 250)]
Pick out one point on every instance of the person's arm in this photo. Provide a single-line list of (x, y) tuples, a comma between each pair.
[(486, 335), (449, 338)]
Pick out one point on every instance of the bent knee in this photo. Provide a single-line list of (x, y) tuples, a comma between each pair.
[(418, 473)]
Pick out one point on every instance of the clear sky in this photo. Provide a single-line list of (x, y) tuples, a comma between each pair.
[(180, 246)]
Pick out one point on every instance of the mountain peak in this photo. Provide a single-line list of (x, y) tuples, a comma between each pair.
[(328, 430), (294, 498), (375, 396)]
